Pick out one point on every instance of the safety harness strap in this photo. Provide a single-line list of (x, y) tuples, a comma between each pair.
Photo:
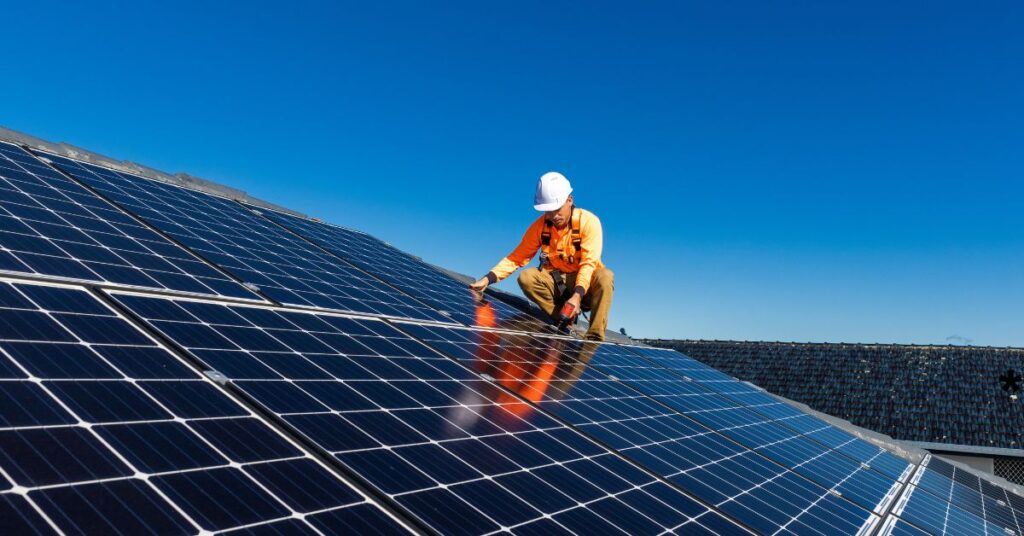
[(577, 239)]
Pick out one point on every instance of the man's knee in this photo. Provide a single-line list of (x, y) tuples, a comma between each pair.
[(528, 277), (604, 279)]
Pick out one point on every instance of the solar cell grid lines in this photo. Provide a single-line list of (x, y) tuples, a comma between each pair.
[(873, 473), (52, 226), (457, 452), (945, 499), (412, 275), (104, 431), (565, 379), (773, 410), (282, 266)]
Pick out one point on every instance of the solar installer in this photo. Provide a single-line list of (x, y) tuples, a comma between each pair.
[(571, 277)]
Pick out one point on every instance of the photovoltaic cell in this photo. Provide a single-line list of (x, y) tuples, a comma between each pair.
[(457, 452), (284, 267), (103, 431), (566, 379), (52, 226), (412, 275)]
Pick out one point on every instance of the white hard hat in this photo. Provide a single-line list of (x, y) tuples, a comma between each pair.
[(552, 191)]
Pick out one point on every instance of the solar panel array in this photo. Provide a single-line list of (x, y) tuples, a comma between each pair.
[(579, 383), (230, 369), (52, 226), (945, 499), (454, 450), (412, 275), (104, 431), (283, 267)]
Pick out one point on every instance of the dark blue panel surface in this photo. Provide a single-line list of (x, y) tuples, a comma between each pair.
[(581, 385), (49, 225), (282, 265), (772, 410), (412, 275), (966, 497), (95, 448), (761, 423), (458, 453)]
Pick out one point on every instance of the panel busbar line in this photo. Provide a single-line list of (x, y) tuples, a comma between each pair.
[(560, 376), (105, 431), (776, 410), (742, 422), (411, 275), (53, 227), (459, 453), (282, 266)]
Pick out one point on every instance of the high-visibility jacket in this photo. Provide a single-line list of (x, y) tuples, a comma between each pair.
[(560, 250)]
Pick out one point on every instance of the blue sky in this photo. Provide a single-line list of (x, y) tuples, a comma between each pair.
[(781, 171)]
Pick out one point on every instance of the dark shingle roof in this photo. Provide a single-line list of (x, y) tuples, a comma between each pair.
[(936, 394)]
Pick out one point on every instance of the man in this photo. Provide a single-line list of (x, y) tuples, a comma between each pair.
[(571, 271)]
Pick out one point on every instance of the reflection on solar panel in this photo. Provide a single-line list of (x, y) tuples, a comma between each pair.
[(51, 226), (412, 275), (284, 267), (946, 500), (457, 452), (566, 379), (102, 431)]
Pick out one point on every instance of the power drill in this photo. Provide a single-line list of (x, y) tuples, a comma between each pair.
[(566, 316)]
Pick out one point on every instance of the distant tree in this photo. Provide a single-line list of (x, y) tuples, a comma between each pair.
[(623, 332)]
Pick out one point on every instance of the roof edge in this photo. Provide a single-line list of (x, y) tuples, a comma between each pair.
[(182, 179)]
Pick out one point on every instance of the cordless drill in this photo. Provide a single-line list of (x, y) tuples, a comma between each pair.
[(566, 316)]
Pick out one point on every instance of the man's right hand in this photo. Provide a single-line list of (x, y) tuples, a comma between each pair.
[(480, 285)]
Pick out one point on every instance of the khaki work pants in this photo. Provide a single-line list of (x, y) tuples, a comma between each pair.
[(539, 286)]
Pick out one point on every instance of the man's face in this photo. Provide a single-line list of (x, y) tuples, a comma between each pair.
[(560, 216)]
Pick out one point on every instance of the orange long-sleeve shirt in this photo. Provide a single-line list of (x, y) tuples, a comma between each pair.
[(559, 249)]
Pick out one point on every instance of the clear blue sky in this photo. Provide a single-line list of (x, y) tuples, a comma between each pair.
[(764, 170)]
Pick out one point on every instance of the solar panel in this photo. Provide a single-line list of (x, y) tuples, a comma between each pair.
[(775, 411), (52, 226), (565, 378), (282, 266), (945, 499), (104, 431), (412, 275), (940, 517), (457, 452), (854, 478)]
